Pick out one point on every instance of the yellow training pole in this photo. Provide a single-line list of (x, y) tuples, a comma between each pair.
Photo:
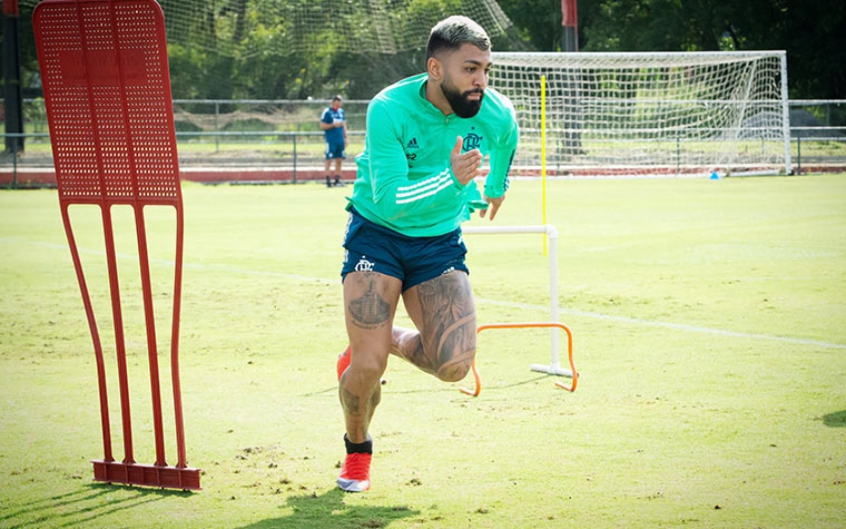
[(543, 157)]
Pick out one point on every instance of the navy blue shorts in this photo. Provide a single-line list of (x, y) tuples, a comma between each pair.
[(335, 150), (413, 260)]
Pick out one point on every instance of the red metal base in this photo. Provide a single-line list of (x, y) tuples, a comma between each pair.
[(147, 475)]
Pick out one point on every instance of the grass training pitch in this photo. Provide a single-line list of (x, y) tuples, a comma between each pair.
[(709, 323)]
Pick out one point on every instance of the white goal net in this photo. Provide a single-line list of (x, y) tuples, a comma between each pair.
[(649, 113), (284, 27)]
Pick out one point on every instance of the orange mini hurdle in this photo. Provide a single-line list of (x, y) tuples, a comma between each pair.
[(554, 369)]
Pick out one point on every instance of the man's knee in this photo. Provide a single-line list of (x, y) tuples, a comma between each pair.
[(457, 367), (368, 366)]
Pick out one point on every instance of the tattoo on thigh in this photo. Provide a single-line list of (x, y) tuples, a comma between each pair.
[(446, 301), (370, 310), (447, 306)]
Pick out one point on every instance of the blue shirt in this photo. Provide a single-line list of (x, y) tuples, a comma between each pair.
[(335, 134)]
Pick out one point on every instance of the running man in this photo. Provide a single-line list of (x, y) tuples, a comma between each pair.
[(333, 122), (426, 139)]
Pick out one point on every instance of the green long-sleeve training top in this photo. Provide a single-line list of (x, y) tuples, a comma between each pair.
[(405, 181)]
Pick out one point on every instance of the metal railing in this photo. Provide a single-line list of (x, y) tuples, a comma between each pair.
[(284, 136)]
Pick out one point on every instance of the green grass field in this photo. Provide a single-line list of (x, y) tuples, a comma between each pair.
[(709, 333)]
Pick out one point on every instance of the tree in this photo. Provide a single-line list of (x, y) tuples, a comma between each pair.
[(234, 48), (812, 33), (537, 24)]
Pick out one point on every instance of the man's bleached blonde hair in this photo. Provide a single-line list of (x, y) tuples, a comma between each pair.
[(450, 33)]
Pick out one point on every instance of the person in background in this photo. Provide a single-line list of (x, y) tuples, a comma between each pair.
[(333, 122)]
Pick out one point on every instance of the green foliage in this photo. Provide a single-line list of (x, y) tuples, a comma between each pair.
[(813, 33), (187, 71), (237, 48), (537, 23)]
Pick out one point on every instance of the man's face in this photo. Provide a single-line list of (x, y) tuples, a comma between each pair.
[(465, 79), (336, 104)]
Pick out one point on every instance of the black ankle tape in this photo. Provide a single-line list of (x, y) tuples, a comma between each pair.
[(359, 448)]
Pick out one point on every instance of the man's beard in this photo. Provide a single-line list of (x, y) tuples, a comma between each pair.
[(461, 105)]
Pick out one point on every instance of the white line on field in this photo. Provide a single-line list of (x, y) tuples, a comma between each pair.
[(668, 325), (511, 304)]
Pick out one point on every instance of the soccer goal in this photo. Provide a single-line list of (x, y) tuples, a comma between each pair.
[(649, 113)]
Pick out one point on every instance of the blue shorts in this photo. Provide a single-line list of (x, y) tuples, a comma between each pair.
[(335, 150), (413, 260)]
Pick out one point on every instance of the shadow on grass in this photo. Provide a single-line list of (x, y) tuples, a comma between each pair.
[(330, 510), (84, 505), (836, 419)]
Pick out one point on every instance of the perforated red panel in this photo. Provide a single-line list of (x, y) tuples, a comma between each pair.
[(107, 90)]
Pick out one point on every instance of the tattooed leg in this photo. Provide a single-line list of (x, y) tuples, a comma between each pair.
[(357, 417), (445, 314), (408, 345), (370, 301)]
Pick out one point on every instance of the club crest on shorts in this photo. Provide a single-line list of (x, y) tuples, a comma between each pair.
[(364, 265)]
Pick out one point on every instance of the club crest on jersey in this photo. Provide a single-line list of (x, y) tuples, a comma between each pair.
[(472, 141)]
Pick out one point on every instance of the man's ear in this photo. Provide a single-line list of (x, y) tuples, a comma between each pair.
[(435, 69)]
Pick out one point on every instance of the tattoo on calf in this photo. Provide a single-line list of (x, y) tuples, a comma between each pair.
[(419, 358), (409, 345), (350, 401)]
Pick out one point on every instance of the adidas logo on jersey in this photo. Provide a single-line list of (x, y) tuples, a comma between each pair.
[(412, 144)]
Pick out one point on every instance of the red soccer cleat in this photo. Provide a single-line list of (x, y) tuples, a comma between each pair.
[(355, 476), (344, 361)]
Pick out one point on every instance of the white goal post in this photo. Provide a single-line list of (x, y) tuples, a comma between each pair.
[(649, 113)]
